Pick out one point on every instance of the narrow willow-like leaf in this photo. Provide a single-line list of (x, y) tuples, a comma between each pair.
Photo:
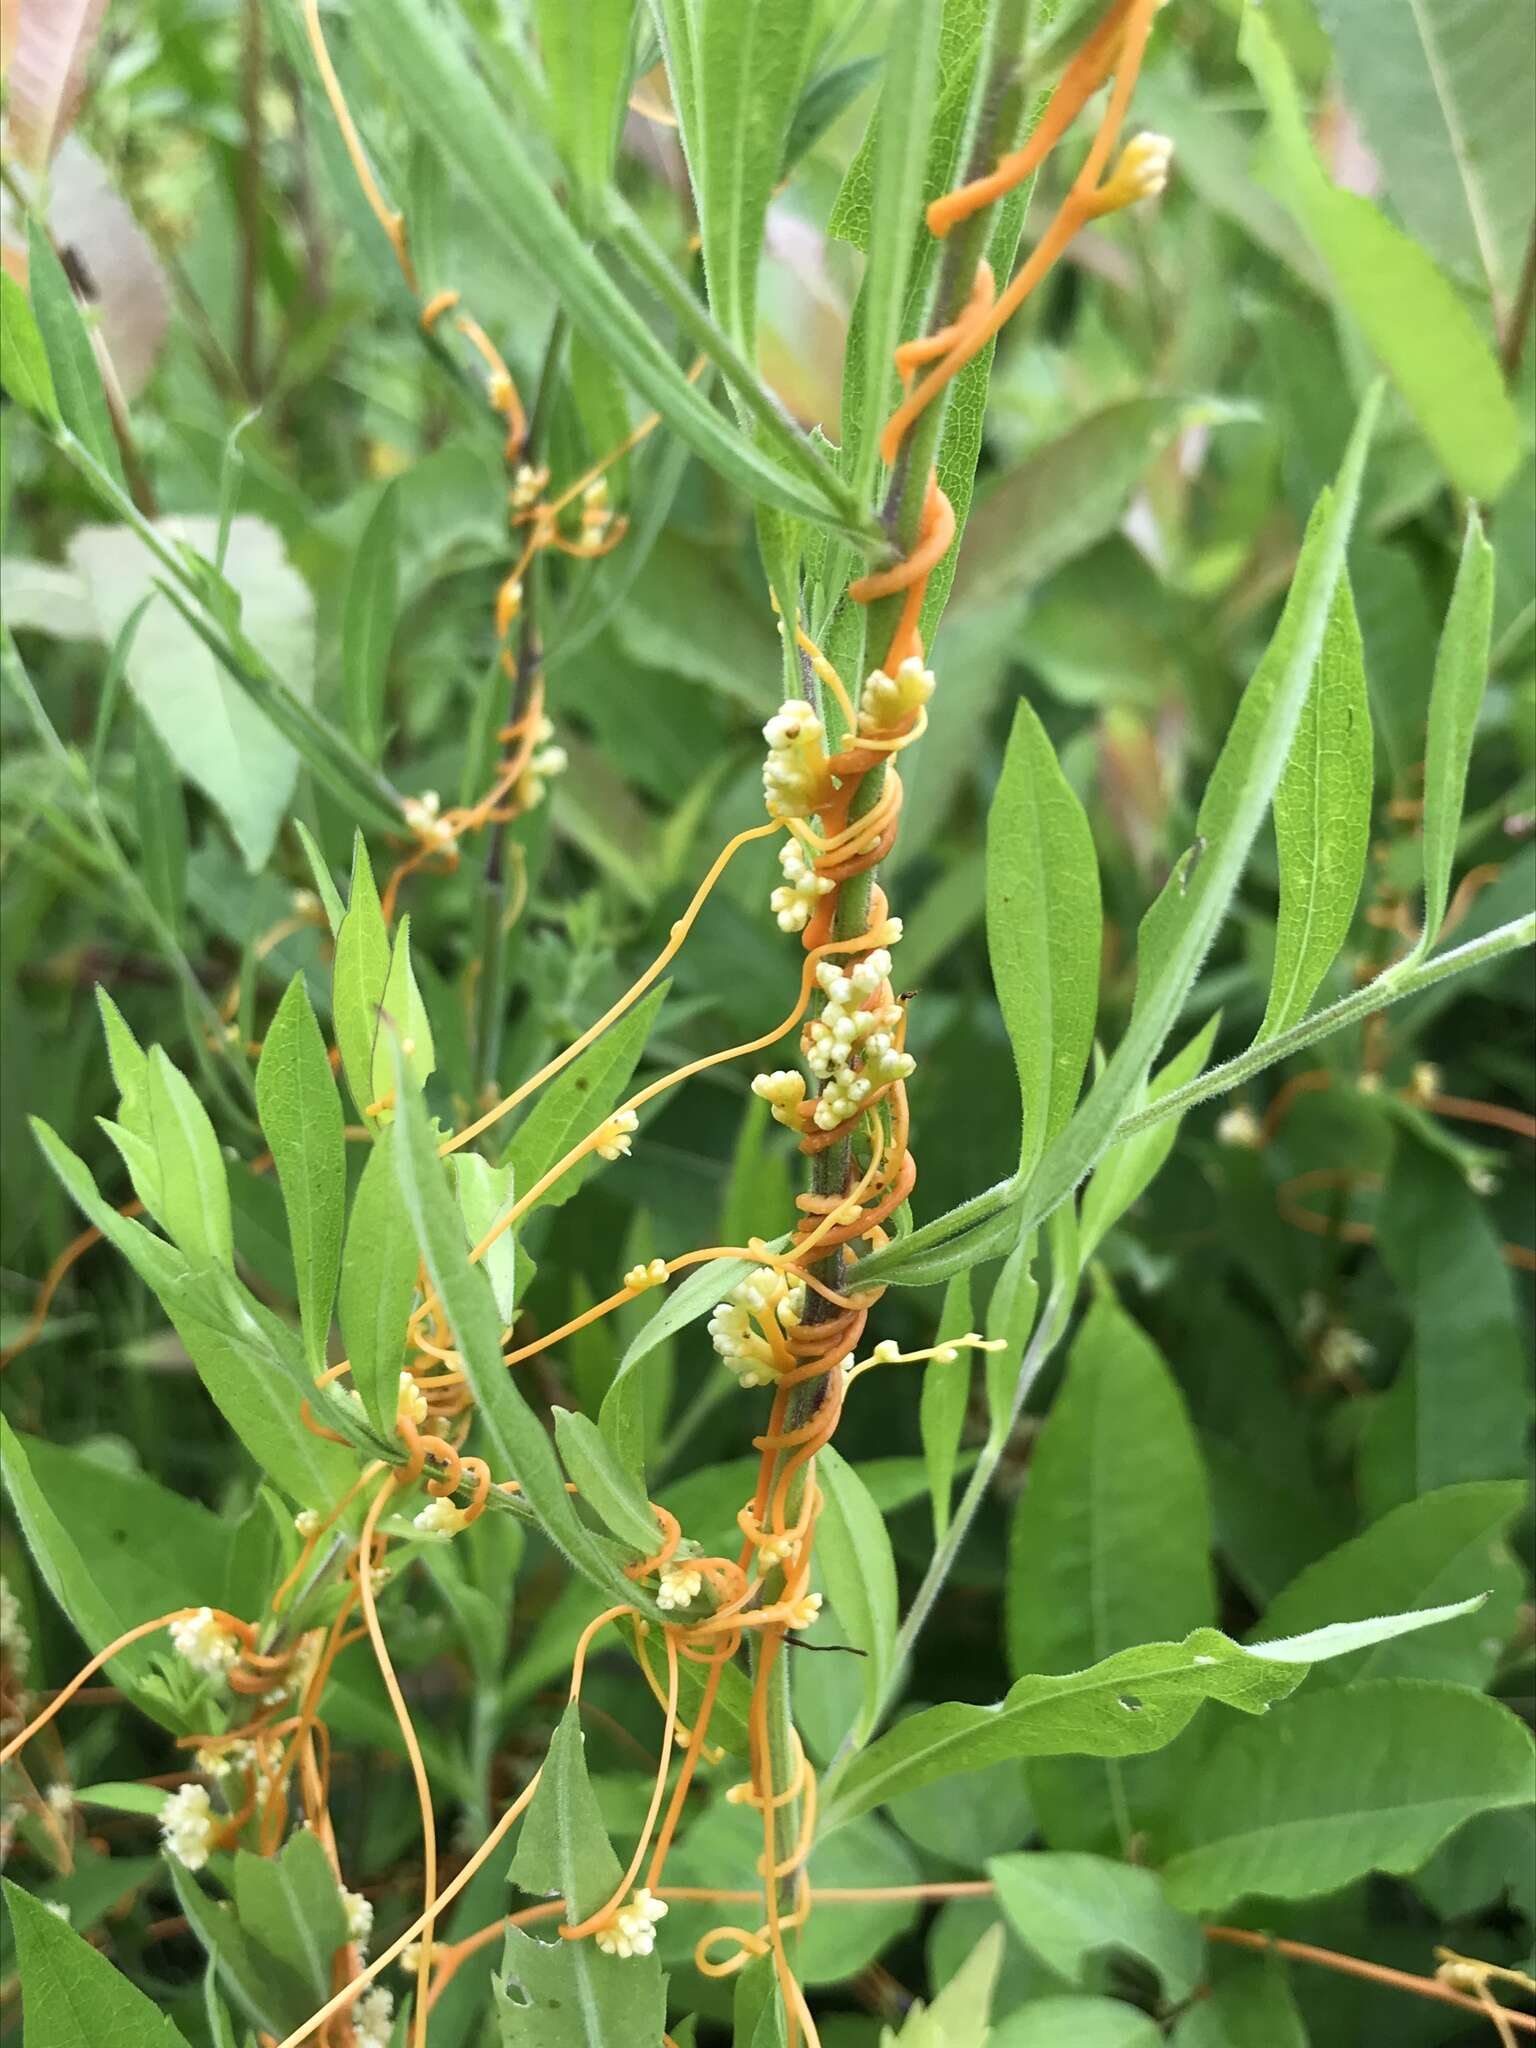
[(1461, 672), (1128, 1169), (858, 1569), (72, 1996), (71, 359), (1131, 1703), (738, 70), (194, 1187), (1372, 1776), (161, 816), (1069, 1909), (586, 61), (301, 1120), (23, 359), (1422, 332), (945, 1397), (1322, 819), (521, 214), (401, 1012), (1043, 929), (577, 1101), (604, 1484), (378, 1284), (368, 624), (569, 1994), (358, 980), (485, 1195), (518, 1445)]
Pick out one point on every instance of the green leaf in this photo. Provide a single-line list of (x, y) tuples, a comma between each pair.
[(161, 816), (301, 1120), (1248, 2004), (518, 1445), (1419, 329), (23, 359), (369, 612), (890, 206), (193, 1185), (577, 1101), (1076, 2023), (524, 221), (586, 61), (230, 702), (325, 886), (1133, 1702), (401, 1018), (604, 1484), (72, 1997), (485, 1195), (1461, 1410), (1177, 931), (1322, 819), (361, 970), (1098, 1560), (290, 1907), (1043, 929), (1128, 1169), (737, 68), (945, 1397), (1445, 1547), (1069, 1909), (266, 1991), (1372, 1776), (1443, 88), (856, 1565), (958, 2016), (378, 1284), (574, 1996), (71, 359), (1461, 672)]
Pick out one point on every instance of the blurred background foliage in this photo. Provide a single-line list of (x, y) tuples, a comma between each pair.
[(1161, 419)]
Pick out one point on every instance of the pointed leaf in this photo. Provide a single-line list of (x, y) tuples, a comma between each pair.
[(72, 1997), (1461, 671), (301, 1120)]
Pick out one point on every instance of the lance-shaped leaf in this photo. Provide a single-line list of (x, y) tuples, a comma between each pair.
[(1129, 1704), (1043, 929), (1322, 819), (570, 1994), (586, 61), (301, 1119), (1369, 1777), (71, 1994), (358, 978), (1461, 672)]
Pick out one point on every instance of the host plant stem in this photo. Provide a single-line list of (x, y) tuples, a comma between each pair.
[(1001, 107)]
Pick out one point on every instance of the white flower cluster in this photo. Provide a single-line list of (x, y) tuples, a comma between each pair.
[(795, 772), (410, 1402), (765, 1293), (373, 2019), (852, 1049), (632, 1930), (359, 1912), (186, 1825), (1142, 171), (225, 1760), (613, 1139), (887, 702), (652, 1274), (204, 1641), (14, 1640), (802, 1612), (1239, 1126), (307, 1522), (422, 815), (681, 1581), (783, 1091), (440, 1517), (546, 763), (801, 890), (526, 486), (596, 510)]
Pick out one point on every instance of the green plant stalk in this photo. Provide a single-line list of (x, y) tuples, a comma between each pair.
[(490, 998), (1000, 109)]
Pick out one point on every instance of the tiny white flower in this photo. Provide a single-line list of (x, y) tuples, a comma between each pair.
[(14, 1639), (186, 1825), (614, 1138), (440, 1517), (1425, 1081), (1342, 1350), (411, 1402), (308, 1522), (1239, 1126), (652, 1274), (373, 2018), (680, 1584), (61, 1799), (207, 1645), (802, 1612), (632, 1929), (795, 773), (887, 702), (359, 1913)]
